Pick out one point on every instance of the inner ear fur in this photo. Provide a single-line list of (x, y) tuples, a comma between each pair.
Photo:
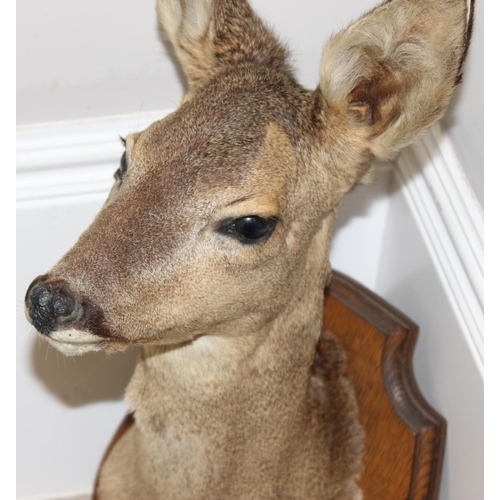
[(392, 73)]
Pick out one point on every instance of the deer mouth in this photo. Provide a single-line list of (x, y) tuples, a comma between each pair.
[(74, 342)]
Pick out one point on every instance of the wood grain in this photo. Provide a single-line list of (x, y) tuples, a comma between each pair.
[(405, 437)]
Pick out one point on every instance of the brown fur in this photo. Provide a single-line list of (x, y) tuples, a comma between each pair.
[(229, 400)]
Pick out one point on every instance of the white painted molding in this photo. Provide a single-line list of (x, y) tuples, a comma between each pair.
[(451, 220), (69, 496), (72, 158), (459, 207)]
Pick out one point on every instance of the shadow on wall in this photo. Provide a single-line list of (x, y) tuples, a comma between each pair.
[(360, 201), (82, 380)]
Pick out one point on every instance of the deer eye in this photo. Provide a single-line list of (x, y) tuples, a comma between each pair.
[(122, 168), (249, 229)]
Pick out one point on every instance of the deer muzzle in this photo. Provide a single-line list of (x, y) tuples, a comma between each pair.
[(68, 322)]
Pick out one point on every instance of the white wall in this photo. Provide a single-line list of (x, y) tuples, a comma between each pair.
[(101, 57)]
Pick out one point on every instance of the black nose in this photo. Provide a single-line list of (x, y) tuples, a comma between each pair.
[(51, 305)]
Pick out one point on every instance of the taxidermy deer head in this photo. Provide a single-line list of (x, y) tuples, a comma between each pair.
[(211, 251)]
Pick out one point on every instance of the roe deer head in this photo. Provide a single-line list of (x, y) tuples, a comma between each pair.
[(211, 251)]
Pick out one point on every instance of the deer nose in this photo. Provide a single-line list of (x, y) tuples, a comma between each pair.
[(51, 305)]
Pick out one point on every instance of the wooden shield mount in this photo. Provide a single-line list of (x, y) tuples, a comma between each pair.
[(405, 436)]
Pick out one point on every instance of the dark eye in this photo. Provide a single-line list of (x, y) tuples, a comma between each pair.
[(250, 229), (122, 168)]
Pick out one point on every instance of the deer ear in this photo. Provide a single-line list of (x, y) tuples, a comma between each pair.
[(210, 35), (392, 73)]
